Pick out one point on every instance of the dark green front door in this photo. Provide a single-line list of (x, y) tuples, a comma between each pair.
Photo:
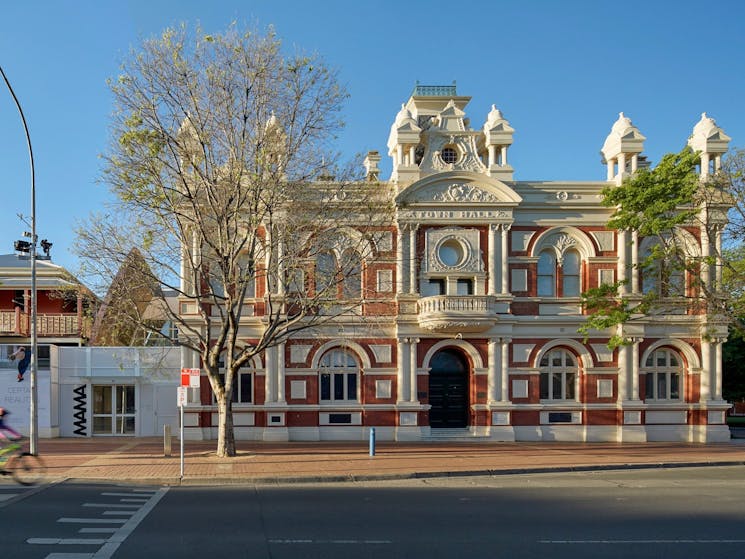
[(448, 390)]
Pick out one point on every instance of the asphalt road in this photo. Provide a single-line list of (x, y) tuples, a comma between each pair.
[(679, 512)]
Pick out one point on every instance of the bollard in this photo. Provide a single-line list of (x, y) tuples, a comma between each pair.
[(372, 441), (166, 440)]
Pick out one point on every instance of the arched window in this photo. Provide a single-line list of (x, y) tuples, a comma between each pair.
[(546, 274), (339, 374), (664, 381), (570, 266), (559, 375)]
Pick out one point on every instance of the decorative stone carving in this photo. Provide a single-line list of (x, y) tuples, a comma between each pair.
[(466, 239)]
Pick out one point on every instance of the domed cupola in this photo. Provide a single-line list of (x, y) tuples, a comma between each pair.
[(622, 148), (711, 141), (498, 138)]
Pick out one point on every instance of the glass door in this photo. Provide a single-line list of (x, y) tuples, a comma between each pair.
[(114, 409)]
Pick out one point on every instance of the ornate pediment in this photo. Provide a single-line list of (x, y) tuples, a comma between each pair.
[(455, 192)]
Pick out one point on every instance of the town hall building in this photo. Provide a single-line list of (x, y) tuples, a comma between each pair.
[(475, 295)]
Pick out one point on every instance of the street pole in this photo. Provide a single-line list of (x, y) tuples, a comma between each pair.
[(34, 427)]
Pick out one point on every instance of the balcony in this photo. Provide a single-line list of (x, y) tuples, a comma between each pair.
[(461, 313), (16, 323)]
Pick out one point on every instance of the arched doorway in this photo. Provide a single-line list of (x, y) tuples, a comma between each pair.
[(448, 390)]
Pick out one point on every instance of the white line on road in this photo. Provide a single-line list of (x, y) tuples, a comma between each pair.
[(633, 542), (92, 520), (69, 556), (66, 541), (129, 494), (97, 530), (341, 542), (118, 512), (111, 505)]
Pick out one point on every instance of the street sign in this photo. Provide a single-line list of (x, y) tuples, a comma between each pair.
[(182, 394), (190, 377)]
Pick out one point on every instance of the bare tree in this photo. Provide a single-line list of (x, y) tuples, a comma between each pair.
[(225, 183)]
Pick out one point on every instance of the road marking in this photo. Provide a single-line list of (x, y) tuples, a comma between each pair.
[(338, 542), (119, 512), (92, 520), (97, 530), (8, 496), (69, 556), (633, 542), (109, 548), (66, 541), (111, 505)]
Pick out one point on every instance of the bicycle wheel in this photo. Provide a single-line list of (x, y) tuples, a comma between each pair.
[(26, 468)]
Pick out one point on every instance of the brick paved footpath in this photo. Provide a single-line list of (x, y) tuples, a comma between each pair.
[(142, 460)]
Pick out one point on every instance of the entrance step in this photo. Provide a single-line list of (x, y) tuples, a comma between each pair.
[(452, 435)]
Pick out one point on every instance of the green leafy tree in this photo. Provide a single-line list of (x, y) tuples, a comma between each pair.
[(221, 169), (668, 204)]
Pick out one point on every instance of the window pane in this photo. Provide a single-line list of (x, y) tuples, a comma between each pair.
[(544, 361), (246, 382), (352, 283), (556, 386), (650, 361), (570, 286), (674, 386), (661, 386), (102, 400), (569, 386), (351, 386), (661, 358), (546, 274), (556, 359), (569, 360), (544, 384), (674, 360), (325, 386), (649, 384), (465, 287), (570, 263), (325, 271), (338, 387)]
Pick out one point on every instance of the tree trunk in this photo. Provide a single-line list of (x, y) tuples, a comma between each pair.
[(225, 433)]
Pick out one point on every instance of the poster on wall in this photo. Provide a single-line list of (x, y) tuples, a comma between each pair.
[(15, 397)]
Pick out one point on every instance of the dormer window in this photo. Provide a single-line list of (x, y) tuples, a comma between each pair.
[(449, 155)]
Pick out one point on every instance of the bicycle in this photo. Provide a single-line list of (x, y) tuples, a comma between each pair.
[(24, 467)]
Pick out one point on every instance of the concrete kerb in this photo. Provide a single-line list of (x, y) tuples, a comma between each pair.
[(362, 478)]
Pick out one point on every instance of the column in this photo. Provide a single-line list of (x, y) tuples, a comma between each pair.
[(635, 369), (495, 369), (280, 267), (621, 249), (281, 373), (400, 259), (718, 270), (716, 388), (621, 165), (504, 256), (402, 370), (705, 162), (492, 255), (707, 372), (634, 162), (412, 156), (413, 392), (412, 259), (623, 373), (269, 368), (611, 174), (492, 154), (635, 262), (504, 156), (504, 393)]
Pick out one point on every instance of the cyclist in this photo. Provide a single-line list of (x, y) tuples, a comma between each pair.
[(6, 430)]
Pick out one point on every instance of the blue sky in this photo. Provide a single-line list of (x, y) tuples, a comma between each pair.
[(560, 71)]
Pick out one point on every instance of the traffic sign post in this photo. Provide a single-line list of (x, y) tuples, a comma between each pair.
[(190, 378)]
